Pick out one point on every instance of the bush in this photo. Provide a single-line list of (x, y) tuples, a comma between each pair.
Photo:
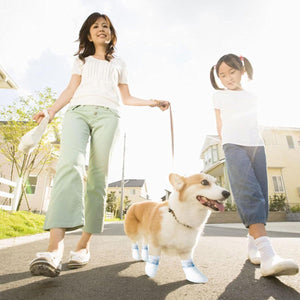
[(277, 202), (229, 206), (295, 208)]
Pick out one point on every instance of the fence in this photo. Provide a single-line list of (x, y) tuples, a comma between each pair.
[(14, 196)]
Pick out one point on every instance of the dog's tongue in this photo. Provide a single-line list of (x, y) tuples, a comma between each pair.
[(220, 206)]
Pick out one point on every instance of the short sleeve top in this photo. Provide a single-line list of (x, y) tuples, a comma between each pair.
[(239, 117), (99, 82)]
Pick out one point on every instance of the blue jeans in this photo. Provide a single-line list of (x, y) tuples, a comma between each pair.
[(247, 171)]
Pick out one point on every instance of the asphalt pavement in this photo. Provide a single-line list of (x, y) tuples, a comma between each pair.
[(112, 273)]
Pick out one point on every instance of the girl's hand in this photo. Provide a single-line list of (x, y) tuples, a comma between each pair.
[(38, 117), (162, 104)]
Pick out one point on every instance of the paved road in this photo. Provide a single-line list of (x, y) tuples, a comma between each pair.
[(112, 274)]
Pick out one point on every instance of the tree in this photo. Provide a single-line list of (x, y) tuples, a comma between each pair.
[(113, 204), (16, 120)]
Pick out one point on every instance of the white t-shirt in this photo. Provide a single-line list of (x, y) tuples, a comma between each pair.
[(239, 117), (99, 82)]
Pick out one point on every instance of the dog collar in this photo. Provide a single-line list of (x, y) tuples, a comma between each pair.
[(171, 211)]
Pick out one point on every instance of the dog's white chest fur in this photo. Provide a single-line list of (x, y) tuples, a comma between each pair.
[(175, 238)]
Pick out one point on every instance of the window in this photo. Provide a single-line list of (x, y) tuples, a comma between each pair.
[(278, 184), (30, 185), (133, 192), (290, 141), (214, 150)]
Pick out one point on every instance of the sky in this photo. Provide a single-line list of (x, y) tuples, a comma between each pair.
[(169, 47)]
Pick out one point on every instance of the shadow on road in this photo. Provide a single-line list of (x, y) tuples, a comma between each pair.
[(245, 286), (99, 283)]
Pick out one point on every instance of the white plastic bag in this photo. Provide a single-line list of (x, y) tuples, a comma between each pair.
[(30, 139)]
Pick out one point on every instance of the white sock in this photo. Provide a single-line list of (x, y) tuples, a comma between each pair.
[(152, 265), (192, 273), (265, 248)]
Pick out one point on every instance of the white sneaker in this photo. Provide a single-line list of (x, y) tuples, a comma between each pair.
[(79, 258), (254, 256), (277, 266), (253, 253), (46, 264)]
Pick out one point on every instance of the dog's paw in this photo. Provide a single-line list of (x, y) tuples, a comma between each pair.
[(152, 265), (135, 252), (192, 273)]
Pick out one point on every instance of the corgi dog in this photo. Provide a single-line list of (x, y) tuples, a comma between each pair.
[(174, 226)]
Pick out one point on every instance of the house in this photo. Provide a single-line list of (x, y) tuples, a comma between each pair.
[(6, 81), (134, 189), (283, 161)]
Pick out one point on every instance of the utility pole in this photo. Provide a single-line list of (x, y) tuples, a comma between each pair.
[(122, 182)]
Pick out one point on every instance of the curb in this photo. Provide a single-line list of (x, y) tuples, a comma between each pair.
[(16, 241), (20, 240)]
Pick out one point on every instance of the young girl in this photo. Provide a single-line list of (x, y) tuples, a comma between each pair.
[(236, 118), (97, 76)]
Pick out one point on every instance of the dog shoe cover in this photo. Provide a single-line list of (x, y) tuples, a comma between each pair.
[(192, 274), (145, 253), (135, 252), (152, 265)]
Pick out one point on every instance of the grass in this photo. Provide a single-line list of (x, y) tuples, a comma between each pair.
[(22, 223)]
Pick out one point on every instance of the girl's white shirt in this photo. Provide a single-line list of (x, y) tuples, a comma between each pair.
[(239, 117), (99, 82)]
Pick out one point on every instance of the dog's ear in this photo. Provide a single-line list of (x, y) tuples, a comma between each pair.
[(177, 181)]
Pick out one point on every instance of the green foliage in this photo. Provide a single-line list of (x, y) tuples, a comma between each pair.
[(229, 206), (20, 223), (295, 208), (277, 202), (16, 121), (113, 204)]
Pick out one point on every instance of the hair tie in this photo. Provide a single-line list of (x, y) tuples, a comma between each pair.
[(242, 60), (215, 67)]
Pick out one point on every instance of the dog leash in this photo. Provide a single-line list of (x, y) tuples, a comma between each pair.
[(172, 134)]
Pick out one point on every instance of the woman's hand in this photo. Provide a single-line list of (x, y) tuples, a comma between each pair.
[(162, 104), (38, 117)]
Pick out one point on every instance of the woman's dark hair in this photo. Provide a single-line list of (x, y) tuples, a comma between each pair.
[(234, 62), (86, 47)]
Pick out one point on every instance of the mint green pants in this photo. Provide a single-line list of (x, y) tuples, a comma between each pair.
[(74, 203)]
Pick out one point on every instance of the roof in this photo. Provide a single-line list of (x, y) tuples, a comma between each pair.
[(128, 183), (5, 81)]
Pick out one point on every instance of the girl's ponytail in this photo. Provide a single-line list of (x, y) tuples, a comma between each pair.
[(248, 68), (213, 79)]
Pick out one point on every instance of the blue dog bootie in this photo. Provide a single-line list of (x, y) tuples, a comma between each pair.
[(145, 252), (152, 265), (135, 251), (192, 273)]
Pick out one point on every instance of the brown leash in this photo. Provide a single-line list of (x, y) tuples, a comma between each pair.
[(172, 134)]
